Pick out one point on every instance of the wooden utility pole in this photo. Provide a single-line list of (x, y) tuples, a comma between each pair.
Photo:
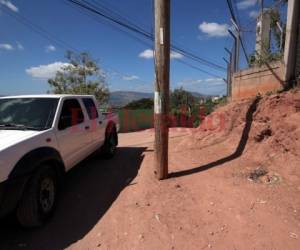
[(162, 84)]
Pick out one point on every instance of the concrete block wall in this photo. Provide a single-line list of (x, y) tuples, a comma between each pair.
[(298, 52), (248, 83)]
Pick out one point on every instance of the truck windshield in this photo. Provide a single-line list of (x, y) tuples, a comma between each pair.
[(27, 113)]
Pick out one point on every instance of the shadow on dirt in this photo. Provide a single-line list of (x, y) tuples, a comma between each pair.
[(238, 152), (89, 191)]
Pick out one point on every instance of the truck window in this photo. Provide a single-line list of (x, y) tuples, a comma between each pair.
[(71, 114), (35, 113), (90, 108)]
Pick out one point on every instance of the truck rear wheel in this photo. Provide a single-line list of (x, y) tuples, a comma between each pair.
[(110, 145), (39, 198)]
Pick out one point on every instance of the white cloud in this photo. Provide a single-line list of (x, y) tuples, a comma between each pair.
[(214, 29), (210, 81), (20, 46), (6, 46), (176, 55), (9, 5), (50, 48), (46, 71), (254, 14), (245, 4), (190, 82), (148, 54), (209, 86), (214, 80), (130, 78)]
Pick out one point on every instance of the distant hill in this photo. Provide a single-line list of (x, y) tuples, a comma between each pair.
[(122, 98), (199, 95)]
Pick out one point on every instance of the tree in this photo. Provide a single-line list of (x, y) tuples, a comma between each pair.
[(81, 75), (182, 99), (184, 107), (144, 103)]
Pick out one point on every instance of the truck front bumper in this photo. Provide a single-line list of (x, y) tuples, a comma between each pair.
[(10, 194)]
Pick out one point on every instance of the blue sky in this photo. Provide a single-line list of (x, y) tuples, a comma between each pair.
[(27, 59)]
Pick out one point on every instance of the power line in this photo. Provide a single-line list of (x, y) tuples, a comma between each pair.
[(196, 58), (187, 52), (197, 68), (153, 19), (229, 3), (152, 33), (38, 29), (175, 49), (91, 8), (237, 12), (112, 9), (112, 25), (47, 35), (141, 41), (137, 29), (244, 49)]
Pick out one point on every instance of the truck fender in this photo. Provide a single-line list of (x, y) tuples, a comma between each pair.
[(29, 162), (21, 173)]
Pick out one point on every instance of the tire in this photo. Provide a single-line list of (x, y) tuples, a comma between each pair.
[(39, 198), (110, 145)]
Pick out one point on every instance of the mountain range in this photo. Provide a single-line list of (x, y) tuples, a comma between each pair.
[(121, 98)]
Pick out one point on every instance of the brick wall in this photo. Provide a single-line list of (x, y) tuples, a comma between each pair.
[(248, 83)]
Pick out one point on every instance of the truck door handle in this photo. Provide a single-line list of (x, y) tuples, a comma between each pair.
[(87, 127)]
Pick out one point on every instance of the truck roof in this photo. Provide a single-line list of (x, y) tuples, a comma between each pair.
[(45, 96)]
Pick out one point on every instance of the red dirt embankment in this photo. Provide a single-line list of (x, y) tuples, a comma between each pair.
[(237, 187), (272, 139)]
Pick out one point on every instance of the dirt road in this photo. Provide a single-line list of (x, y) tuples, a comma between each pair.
[(117, 204)]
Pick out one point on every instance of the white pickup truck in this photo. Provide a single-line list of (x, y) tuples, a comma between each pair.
[(41, 138)]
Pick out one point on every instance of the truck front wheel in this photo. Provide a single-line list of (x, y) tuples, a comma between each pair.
[(39, 197)]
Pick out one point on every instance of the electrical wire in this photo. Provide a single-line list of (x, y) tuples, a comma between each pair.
[(137, 29), (229, 3), (197, 68), (149, 45)]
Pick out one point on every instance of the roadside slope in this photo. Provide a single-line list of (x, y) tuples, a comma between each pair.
[(215, 197)]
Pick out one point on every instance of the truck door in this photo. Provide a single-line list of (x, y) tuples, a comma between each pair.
[(72, 133), (97, 124)]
